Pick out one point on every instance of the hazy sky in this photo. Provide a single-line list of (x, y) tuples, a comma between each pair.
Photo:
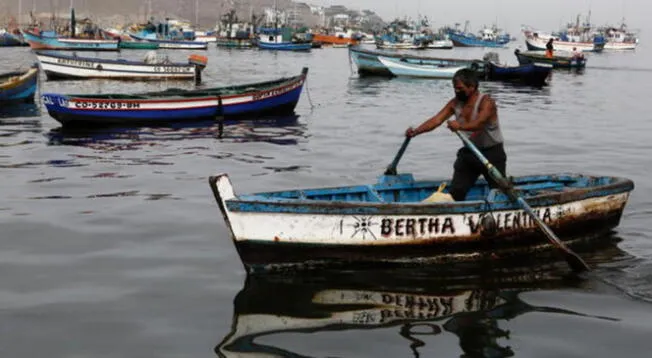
[(510, 14)]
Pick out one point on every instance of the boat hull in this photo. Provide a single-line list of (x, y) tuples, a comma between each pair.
[(404, 69), (465, 41), (37, 42), (174, 44), (234, 42), (61, 66), (173, 106), (368, 63), (8, 39), (534, 74), (620, 46), (138, 45), (334, 40), (557, 61), (284, 46), (283, 233), (539, 44), (18, 86)]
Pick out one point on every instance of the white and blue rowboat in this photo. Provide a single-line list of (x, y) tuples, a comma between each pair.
[(61, 66), (276, 97), (18, 86), (174, 44), (38, 42), (389, 222), (402, 68), (368, 63)]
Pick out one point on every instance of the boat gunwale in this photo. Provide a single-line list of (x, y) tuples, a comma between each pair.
[(358, 49), (55, 54), (255, 203), (23, 78)]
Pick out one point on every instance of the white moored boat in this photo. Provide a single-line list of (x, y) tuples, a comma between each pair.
[(60, 66)]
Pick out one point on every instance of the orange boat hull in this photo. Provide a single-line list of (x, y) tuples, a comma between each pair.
[(334, 40)]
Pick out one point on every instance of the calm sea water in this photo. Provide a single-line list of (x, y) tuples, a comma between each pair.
[(111, 244)]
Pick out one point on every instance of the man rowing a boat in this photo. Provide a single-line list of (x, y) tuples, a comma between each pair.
[(476, 114)]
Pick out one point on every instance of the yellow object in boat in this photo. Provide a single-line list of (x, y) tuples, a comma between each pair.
[(439, 196)]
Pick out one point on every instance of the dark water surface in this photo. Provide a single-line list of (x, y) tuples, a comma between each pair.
[(111, 244)]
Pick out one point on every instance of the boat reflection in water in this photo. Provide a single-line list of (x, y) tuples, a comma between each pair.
[(281, 130), (19, 110), (415, 304)]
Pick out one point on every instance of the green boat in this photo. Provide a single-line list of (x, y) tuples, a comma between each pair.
[(138, 45)]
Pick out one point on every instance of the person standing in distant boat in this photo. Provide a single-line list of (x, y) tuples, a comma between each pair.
[(577, 54), (477, 115), (549, 48)]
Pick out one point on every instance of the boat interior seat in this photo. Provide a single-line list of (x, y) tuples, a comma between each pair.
[(374, 195)]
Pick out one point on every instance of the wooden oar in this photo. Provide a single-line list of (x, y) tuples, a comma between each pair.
[(574, 261), (391, 169)]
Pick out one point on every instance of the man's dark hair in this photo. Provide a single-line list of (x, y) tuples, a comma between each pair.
[(466, 76)]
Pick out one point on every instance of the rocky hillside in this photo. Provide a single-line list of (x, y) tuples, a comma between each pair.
[(116, 12)]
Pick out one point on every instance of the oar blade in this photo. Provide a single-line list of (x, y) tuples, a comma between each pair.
[(576, 263), (391, 169)]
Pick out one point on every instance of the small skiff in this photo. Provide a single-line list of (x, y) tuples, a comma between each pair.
[(388, 222)]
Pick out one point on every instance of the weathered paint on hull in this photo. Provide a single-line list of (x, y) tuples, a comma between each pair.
[(365, 234), (260, 256)]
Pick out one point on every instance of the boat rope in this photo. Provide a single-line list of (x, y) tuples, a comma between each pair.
[(351, 71), (312, 106), (220, 117)]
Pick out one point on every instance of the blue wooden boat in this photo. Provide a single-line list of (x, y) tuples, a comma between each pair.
[(18, 86), (284, 46), (277, 39), (276, 97), (389, 221), (465, 40), (8, 39), (558, 60), (39, 42), (368, 63), (535, 74), (173, 44)]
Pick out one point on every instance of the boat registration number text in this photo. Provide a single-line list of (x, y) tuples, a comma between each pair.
[(172, 69), (78, 63), (106, 105)]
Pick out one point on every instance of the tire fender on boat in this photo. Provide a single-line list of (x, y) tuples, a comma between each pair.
[(99, 67)]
